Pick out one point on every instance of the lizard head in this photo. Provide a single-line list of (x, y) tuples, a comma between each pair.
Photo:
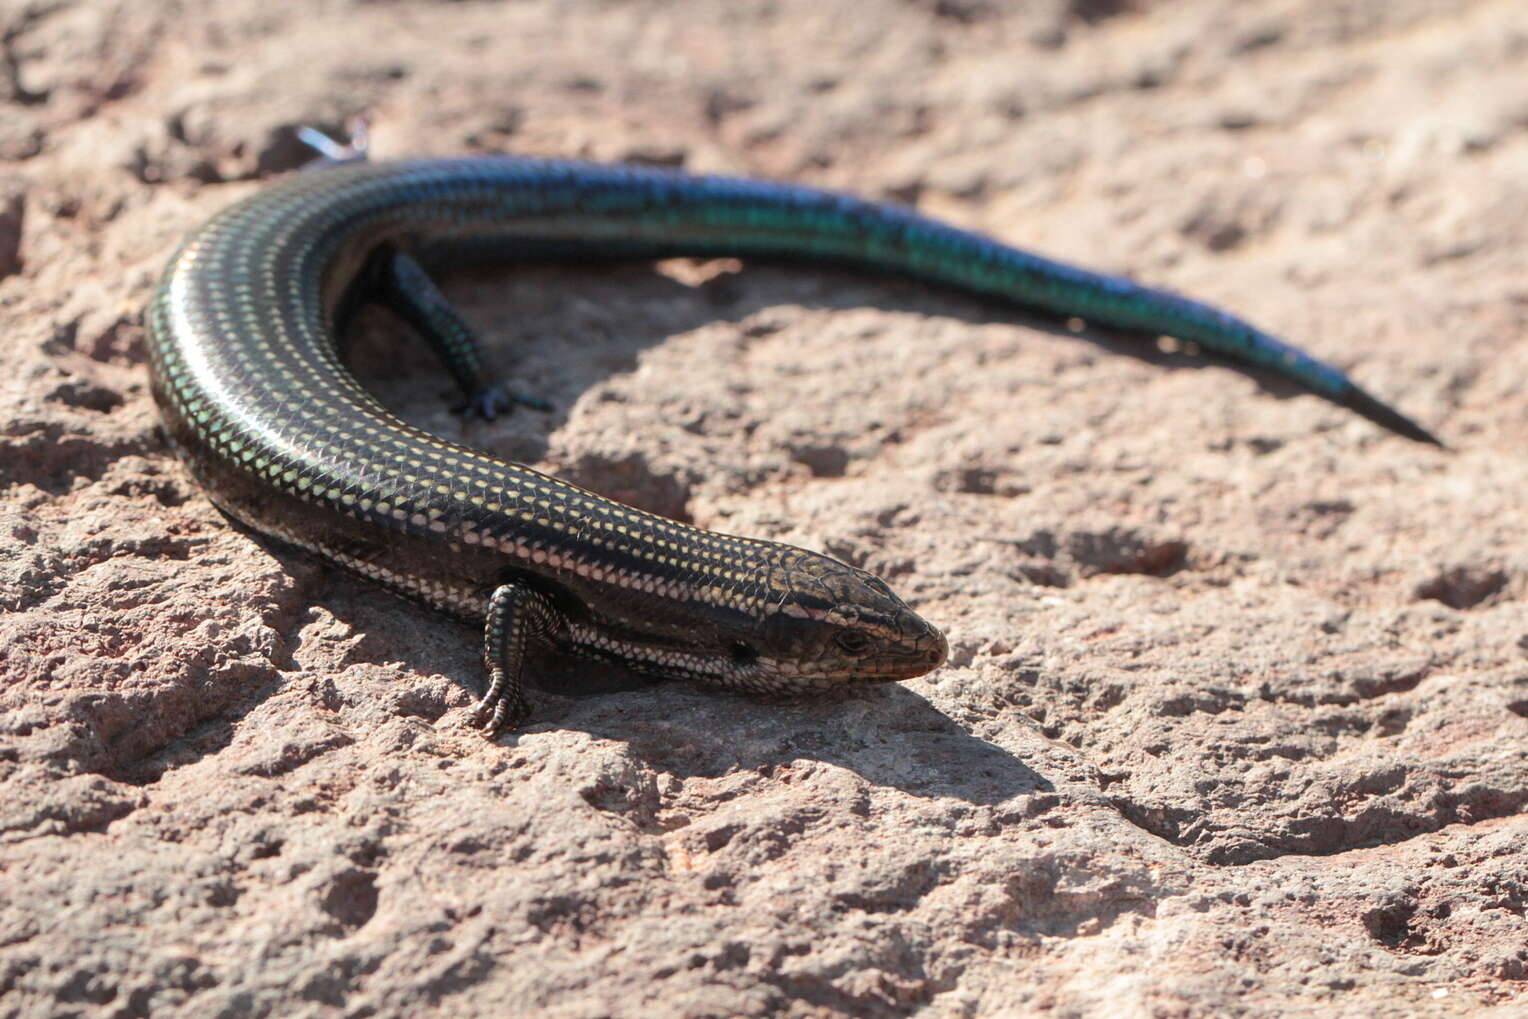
[(828, 624), (792, 621)]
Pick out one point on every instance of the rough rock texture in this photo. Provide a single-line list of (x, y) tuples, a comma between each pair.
[(1236, 717)]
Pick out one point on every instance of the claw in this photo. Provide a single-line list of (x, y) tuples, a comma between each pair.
[(492, 400), (506, 713)]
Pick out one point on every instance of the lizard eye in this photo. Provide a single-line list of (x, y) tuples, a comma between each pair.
[(851, 641)]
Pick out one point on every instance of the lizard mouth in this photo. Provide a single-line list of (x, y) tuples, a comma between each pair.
[(886, 666)]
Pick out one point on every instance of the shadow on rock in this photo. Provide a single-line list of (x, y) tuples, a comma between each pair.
[(888, 735)]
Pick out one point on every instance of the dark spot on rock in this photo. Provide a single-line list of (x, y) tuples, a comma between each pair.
[(567, 916), (764, 324), (1394, 721), (266, 850), (907, 192), (12, 211), (377, 74), (655, 154), (1110, 696), (1044, 575), (1258, 37), (1390, 925), (1370, 683), (721, 104), (1209, 702), (1330, 507), (962, 12), (1513, 967), (1123, 552), (1094, 11), (1108, 778), (351, 897), (77, 393), (1238, 119), (1463, 587), (974, 481), (822, 461)]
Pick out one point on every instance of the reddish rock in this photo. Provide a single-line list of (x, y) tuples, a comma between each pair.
[(1236, 715)]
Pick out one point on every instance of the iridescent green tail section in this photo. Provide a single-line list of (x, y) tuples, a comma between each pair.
[(518, 207)]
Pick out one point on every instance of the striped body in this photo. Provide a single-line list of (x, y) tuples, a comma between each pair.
[(247, 371)]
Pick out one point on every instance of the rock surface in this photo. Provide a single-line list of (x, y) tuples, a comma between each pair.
[(1236, 717)]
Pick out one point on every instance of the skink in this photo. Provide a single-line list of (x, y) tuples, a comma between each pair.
[(247, 370)]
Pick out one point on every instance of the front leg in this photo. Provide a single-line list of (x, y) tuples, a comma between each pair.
[(517, 616)]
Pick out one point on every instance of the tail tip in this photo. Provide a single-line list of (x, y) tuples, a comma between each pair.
[(1387, 417)]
